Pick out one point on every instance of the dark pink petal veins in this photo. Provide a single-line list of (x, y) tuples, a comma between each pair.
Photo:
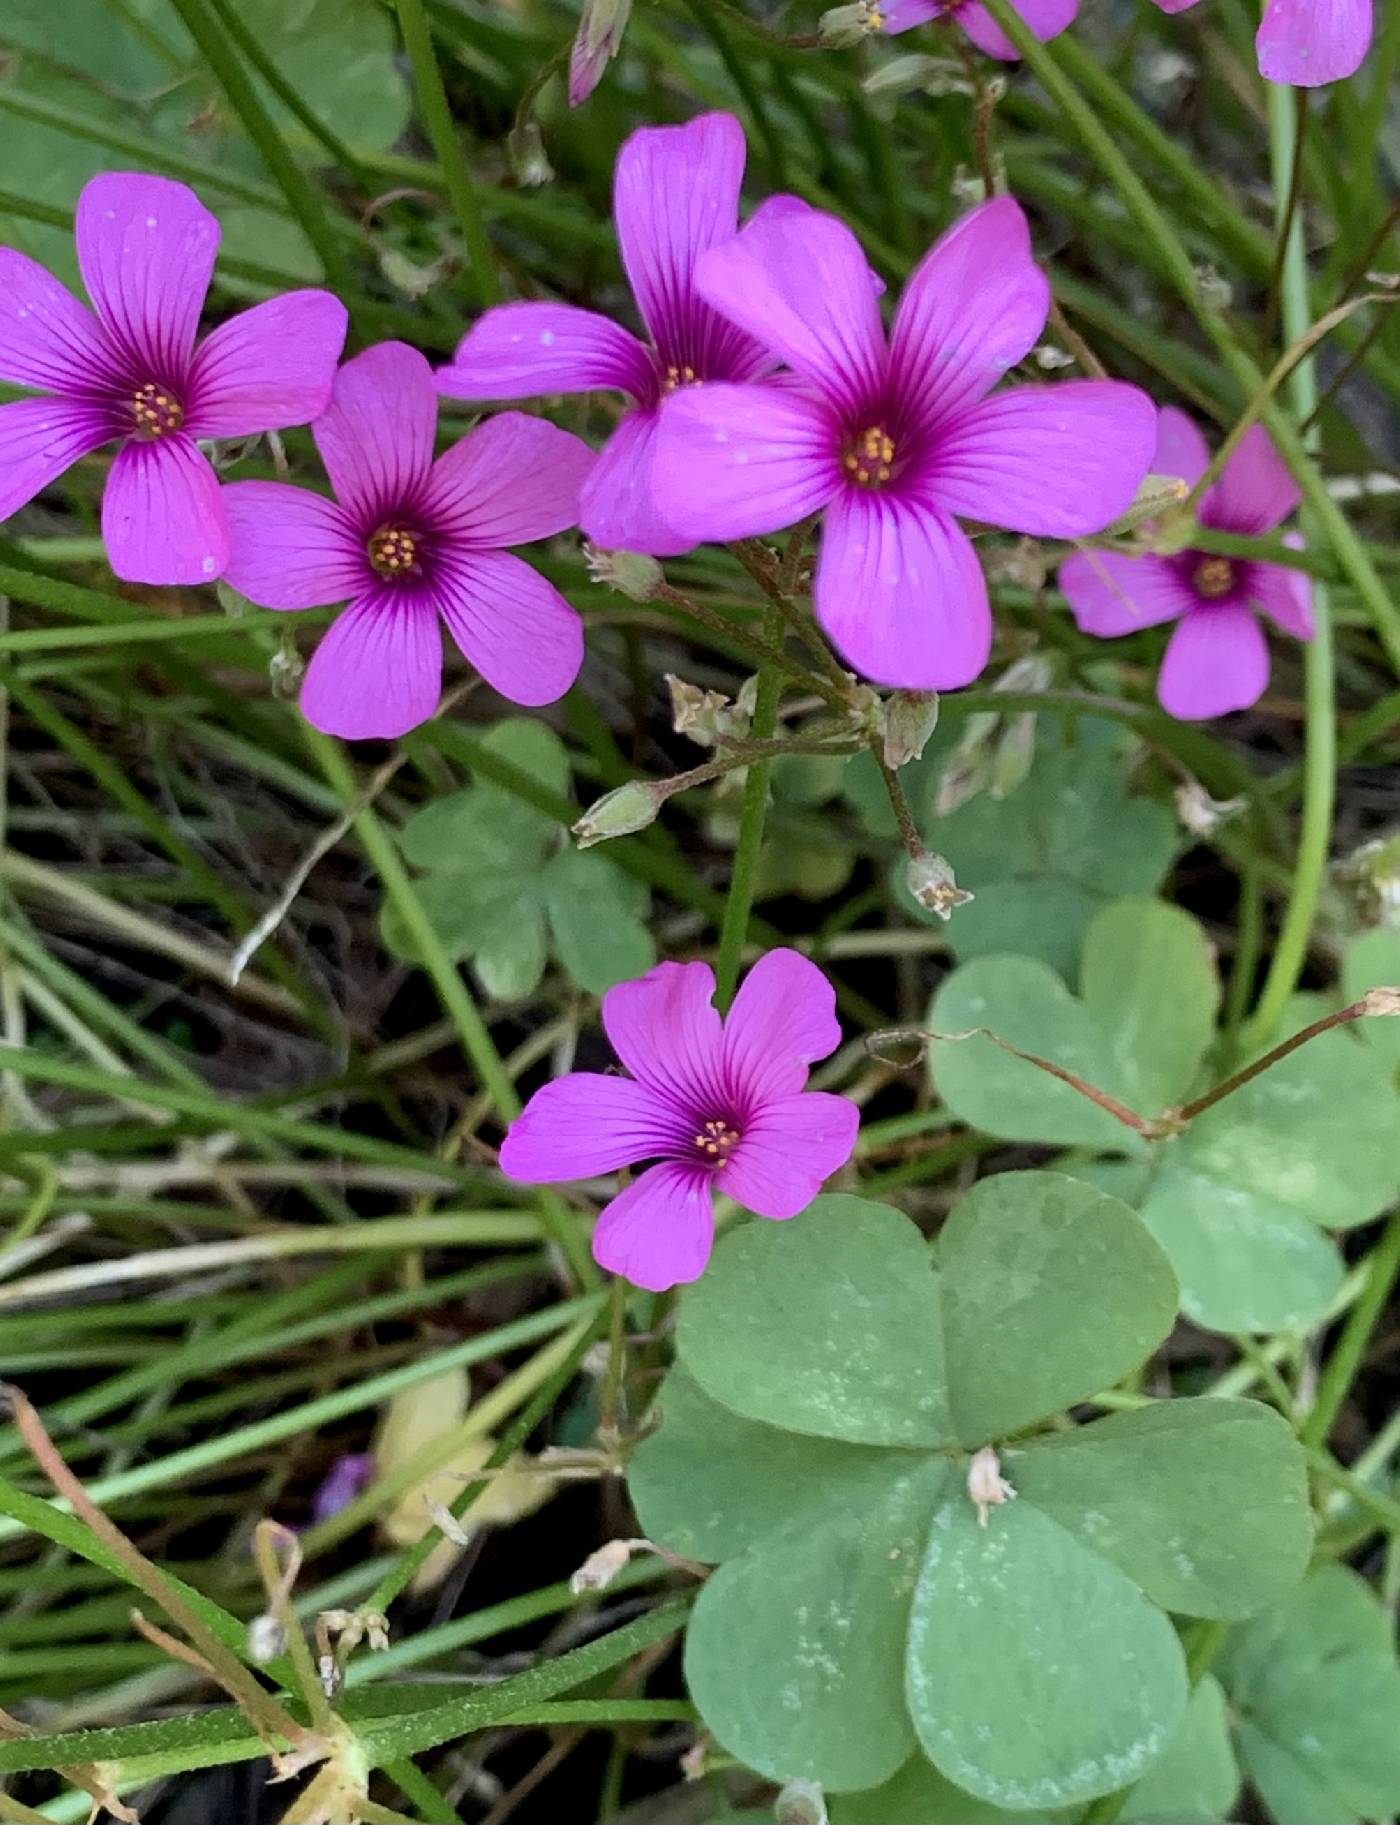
[(520, 351), (146, 249), (788, 1151), (1284, 595), (658, 1233), (510, 481), (48, 339), (736, 461), (620, 507), (666, 1030), (267, 368), (163, 516), (578, 1126), (783, 1019), (39, 439), (512, 625), (291, 548), (376, 436), (378, 670), (1111, 594)]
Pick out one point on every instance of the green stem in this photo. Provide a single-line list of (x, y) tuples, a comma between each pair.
[(1345, 1360), (437, 118), (752, 817)]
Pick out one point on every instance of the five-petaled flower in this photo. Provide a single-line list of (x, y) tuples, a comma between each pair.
[(675, 194), (1217, 658), (408, 540), (132, 374), (720, 1104), (1307, 43), (1046, 18), (893, 438)]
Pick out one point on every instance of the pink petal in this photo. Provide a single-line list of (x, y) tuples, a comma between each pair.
[(163, 519), (579, 1126), (378, 670), (666, 1030), (1217, 661), (1174, 6), (736, 461), (1057, 462), (48, 339), (782, 1020), (797, 281), (1181, 450), (973, 308), (1255, 491), (511, 480), (376, 437), (1046, 18), (39, 439), (146, 249), (618, 508), (291, 548), (900, 592), (788, 1151), (513, 626), (1110, 594), (676, 194), (267, 368), (1284, 595), (658, 1233), (902, 15), (520, 351), (1310, 42)]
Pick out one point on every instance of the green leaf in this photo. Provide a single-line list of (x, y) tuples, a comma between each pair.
[(1372, 961), (597, 916), (511, 948), (1017, 1259), (1019, 1621), (1149, 976), (828, 1324), (1315, 1690), (1197, 1781)]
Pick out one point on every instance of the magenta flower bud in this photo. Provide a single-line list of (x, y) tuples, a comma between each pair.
[(598, 41)]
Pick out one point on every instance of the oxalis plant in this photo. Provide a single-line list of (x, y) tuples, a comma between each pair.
[(699, 912)]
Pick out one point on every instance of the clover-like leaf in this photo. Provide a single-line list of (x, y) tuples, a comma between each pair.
[(1372, 961), (807, 1444)]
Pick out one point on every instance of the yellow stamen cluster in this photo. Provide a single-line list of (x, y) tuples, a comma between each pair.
[(867, 460), (1213, 578), (156, 412), (716, 1140), (681, 377), (393, 551)]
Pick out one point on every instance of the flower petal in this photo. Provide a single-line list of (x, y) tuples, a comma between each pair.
[(146, 249), (1255, 491), (1046, 18), (733, 462), (666, 1030), (378, 670), (376, 436), (1174, 6), (901, 593), (1284, 595), (513, 626), (511, 480), (39, 439), (163, 517), (1111, 594), (1309, 42), (973, 308), (267, 368), (578, 1126), (1181, 450), (1217, 661), (782, 1020), (903, 15), (797, 281), (675, 195), (658, 1233), (1056, 462), (48, 339), (520, 351), (618, 508), (788, 1151), (291, 548)]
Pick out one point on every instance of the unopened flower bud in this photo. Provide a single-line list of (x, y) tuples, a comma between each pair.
[(1381, 1001), (800, 1803), (986, 1487), (600, 1568), (632, 572), (1048, 357), (842, 26), (529, 162), (910, 718), (285, 667), (1200, 814), (1156, 495), (598, 41), (903, 75), (930, 879), (1214, 290), (619, 813)]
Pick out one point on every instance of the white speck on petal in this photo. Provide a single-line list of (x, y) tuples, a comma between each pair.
[(209, 566), (150, 221), (547, 338)]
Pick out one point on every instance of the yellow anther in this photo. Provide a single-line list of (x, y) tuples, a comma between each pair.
[(154, 413), (393, 551), (868, 457)]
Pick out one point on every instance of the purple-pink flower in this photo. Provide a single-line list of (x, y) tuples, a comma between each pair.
[(675, 194), (408, 541), (1217, 658), (720, 1104), (131, 374), (892, 439), (1307, 43), (1046, 18)]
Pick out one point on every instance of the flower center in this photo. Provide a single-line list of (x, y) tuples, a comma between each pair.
[(1213, 578), (156, 412), (716, 1141), (867, 457), (394, 551), (680, 377)]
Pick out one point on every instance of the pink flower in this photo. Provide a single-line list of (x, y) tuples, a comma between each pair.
[(132, 374), (720, 1103), (1046, 18), (1217, 658), (893, 439), (408, 541), (1307, 42), (675, 194)]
